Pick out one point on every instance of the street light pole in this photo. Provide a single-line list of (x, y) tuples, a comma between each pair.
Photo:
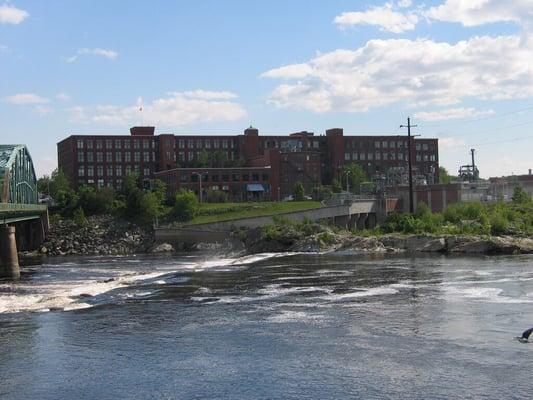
[(347, 181), (200, 180), (409, 151)]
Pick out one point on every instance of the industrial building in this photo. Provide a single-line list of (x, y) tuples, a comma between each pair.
[(246, 166)]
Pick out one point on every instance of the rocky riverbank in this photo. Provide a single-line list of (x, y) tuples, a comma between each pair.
[(102, 235), (328, 241)]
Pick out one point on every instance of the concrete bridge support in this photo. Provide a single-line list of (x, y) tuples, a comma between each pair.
[(9, 261)]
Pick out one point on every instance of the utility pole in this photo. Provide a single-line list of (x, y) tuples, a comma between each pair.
[(410, 158), (474, 175), (199, 174)]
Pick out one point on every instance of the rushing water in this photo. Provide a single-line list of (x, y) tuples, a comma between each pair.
[(269, 327)]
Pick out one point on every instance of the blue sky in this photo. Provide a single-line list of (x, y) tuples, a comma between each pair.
[(462, 69)]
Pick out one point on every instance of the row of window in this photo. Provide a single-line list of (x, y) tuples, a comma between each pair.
[(205, 143), (116, 156), (111, 171), (386, 144), (185, 177), (386, 156), (118, 143)]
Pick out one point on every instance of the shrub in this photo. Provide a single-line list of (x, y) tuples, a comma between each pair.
[(96, 201), (79, 217), (298, 191), (186, 205), (216, 196), (499, 225)]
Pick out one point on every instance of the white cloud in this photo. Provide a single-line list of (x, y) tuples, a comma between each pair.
[(479, 12), (26, 99), (177, 109), (386, 17), (451, 113), (12, 15), (63, 97), (110, 54), (3, 49), (451, 143), (404, 3), (42, 110), (413, 72)]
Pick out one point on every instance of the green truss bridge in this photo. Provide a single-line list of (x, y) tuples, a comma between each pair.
[(20, 210)]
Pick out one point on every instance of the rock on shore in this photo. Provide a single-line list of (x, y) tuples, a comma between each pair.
[(328, 241), (102, 235)]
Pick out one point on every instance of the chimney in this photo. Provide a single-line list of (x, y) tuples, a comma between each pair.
[(142, 131), (530, 171)]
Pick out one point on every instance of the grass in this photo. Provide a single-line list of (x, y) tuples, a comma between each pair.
[(217, 212)]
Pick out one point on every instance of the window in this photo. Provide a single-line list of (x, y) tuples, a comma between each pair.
[(370, 156), (432, 157), (136, 144), (119, 183), (137, 156), (99, 156), (146, 144), (184, 177), (118, 144), (127, 157), (315, 144), (99, 144), (109, 157), (224, 143), (225, 178), (81, 171), (89, 144), (235, 177), (385, 156), (146, 171), (194, 178), (355, 156), (190, 155), (384, 144), (190, 144), (362, 156), (418, 158), (377, 145), (208, 144), (265, 177), (127, 144), (90, 170), (118, 170), (80, 144), (347, 156), (128, 169), (245, 177), (378, 156), (418, 146), (146, 156), (108, 143), (198, 144), (400, 156), (99, 170), (118, 157), (80, 156), (425, 157), (425, 147), (214, 178), (109, 170), (90, 157), (255, 177), (181, 144), (215, 144), (100, 183), (137, 169), (181, 156), (393, 156)]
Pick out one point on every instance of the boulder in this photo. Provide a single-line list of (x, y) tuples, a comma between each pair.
[(162, 248)]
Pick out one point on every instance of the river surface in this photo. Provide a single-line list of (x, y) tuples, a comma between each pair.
[(270, 326)]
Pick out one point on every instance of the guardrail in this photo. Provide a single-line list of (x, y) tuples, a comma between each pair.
[(17, 208)]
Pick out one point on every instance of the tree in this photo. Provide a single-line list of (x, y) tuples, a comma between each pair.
[(336, 186), (159, 188), (356, 176), (96, 200), (43, 185), (445, 177), (203, 159), (216, 196), (298, 191), (186, 205), (520, 196)]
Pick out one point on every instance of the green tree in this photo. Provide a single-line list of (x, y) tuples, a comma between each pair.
[(336, 186), (203, 159), (298, 191), (520, 196), (186, 205), (355, 175), (43, 185), (445, 177), (159, 188), (216, 196), (96, 200)]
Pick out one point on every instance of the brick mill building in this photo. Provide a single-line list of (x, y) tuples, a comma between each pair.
[(246, 166)]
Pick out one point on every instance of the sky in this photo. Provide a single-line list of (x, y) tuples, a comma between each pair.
[(462, 70)]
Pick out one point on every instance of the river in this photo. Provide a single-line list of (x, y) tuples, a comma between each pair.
[(271, 326)]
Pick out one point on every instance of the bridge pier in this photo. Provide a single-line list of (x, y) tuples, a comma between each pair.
[(9, 261)]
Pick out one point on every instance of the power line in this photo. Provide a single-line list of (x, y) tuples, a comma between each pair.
[(478, 119)]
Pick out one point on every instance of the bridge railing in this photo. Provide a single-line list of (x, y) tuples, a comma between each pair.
[(18, 207)]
